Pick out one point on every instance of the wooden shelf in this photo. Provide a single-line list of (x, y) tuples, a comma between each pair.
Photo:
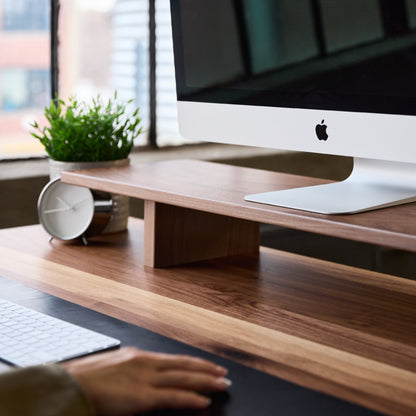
[(338, 329), (220, 189), (341, 330)]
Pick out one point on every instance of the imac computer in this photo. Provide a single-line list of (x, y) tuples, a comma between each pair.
[(324, 76)]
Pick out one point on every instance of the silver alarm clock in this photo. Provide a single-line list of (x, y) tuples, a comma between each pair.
[(65, 211)]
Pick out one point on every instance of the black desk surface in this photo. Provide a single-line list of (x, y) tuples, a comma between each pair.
[(252, 393)]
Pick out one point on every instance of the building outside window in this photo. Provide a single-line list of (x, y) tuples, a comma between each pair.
[(25, 15), (24, 88), (103, 48), (24, 72)]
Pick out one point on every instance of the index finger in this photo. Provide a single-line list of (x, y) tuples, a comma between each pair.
[(190, 363)]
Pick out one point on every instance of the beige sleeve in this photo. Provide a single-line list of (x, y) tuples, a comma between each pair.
[(42, 391)]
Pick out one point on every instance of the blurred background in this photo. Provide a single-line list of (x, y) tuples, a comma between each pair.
[(103, 47)]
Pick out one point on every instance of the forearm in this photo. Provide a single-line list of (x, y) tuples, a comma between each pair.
[(42, 391)]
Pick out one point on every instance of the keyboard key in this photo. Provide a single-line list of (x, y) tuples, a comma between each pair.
[(28, 337)]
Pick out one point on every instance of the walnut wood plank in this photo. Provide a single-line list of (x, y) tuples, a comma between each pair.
[(176, 235), (338, 329), (220, 189)]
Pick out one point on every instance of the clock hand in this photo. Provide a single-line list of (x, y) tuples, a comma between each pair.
[(63, 202), (83, 201), (67, 208), (50, 211)]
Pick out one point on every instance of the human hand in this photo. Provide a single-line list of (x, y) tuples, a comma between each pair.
[(128, 381)]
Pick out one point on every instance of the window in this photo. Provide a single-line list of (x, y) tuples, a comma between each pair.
[(24, 73), (129, 55), (25, 15), (103, 47), (24, 89)]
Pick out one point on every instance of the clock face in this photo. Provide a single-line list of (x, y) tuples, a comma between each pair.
[(65, 210)]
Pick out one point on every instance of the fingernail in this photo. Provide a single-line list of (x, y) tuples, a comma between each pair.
[(205, 401), (221, 369), (224, 382)]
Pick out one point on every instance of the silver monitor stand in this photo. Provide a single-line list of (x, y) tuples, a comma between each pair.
[(373, 184)]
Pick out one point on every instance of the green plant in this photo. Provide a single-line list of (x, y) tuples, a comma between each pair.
[(81, 132)]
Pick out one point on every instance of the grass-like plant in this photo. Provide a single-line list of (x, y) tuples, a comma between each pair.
[(81, 132)]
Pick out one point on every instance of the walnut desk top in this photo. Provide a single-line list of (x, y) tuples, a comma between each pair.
[(348, 332)]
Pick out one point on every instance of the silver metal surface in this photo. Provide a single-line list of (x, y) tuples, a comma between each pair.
[(373, 184)]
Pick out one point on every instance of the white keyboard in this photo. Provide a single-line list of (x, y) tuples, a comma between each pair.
[(28, 337)]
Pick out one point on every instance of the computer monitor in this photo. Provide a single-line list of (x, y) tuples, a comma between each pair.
[(324, 76)]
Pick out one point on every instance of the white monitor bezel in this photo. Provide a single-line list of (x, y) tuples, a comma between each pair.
[(365, 135)]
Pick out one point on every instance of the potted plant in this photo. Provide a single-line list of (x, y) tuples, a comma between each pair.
[(80, 135)]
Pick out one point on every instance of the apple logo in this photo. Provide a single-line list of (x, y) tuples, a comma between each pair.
[(320, 130)]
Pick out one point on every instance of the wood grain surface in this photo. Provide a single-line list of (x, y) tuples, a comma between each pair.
[(220, 189), (341, 330), (176, 235)]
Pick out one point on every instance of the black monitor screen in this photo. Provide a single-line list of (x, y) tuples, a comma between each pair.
[(348, 55)]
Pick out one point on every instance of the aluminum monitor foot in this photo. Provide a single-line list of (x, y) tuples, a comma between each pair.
[(373, 184)]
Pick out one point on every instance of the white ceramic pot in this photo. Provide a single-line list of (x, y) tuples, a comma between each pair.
[(120, 209)]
